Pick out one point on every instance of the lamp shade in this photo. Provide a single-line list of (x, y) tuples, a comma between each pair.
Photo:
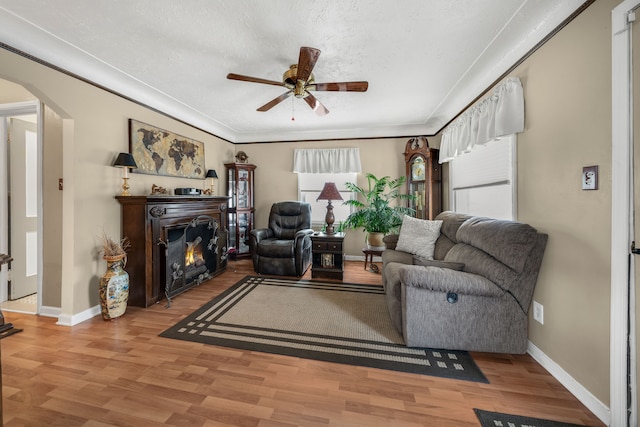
[(329, 192), (125, 160), (211, 173)]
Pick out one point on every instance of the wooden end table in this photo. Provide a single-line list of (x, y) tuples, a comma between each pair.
[(368, 256), (328, 255)]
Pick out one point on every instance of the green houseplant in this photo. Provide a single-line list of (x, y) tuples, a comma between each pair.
[(379, 207)]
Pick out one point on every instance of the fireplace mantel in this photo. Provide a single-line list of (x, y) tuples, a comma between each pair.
[(145, 221)]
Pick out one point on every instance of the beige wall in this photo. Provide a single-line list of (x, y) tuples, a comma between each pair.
[(52, 209), (275, 180), (94, 130), (567, 92)]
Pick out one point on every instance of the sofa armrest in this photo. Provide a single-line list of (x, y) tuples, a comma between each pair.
[(446, 280), (391, 255), (390, 241), (301, 235), (259, 234)]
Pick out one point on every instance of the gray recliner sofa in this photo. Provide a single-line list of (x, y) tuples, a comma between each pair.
[(476, 293)]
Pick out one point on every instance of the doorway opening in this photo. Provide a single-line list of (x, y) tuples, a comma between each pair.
[(21, 215)]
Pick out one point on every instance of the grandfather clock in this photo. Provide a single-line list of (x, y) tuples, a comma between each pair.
[(424, 178)]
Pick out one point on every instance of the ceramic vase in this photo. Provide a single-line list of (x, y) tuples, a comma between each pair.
[(114, 288)]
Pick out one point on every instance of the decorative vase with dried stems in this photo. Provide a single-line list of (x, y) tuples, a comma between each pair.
[(114, 284)]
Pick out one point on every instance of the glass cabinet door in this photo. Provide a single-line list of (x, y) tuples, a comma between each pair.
[(417, 187), (241, 206), (243, 189), (231, 188), (245, 222)]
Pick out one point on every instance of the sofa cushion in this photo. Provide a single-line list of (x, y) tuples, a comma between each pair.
[(437, 263), (276, 248), (451, 221), (418, 236), (481, 263), (509, 242)]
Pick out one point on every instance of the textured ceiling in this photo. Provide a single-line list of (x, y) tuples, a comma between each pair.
[(425, 60)]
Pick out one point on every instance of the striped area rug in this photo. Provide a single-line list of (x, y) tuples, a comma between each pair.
[(498, 419), (336, 322)]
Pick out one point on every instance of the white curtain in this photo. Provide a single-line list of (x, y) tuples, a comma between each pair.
[(500, 114), (327, 160)]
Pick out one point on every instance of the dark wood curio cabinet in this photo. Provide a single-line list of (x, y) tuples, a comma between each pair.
[(241, 210), (424, 178)]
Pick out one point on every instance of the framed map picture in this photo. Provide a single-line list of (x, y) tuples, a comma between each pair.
[(160, 152)]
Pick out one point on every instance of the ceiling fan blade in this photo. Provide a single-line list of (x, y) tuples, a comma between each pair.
[(269, 105), (306, 62), (233, 76), (340, 86), (315, 105)]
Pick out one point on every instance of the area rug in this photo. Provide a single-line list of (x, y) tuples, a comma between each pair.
[(336, 322), (493, 419)]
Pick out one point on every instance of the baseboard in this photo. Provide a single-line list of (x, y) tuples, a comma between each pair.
[(66, 320), (47, 311), (361, 258), (592, 403)]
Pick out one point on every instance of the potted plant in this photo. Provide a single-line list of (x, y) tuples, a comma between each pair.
[(114, 284), (381, 210)]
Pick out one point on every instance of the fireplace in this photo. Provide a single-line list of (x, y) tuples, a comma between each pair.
[(192, 253), (177, 242)]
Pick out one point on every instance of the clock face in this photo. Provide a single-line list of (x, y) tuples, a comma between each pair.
[(417, 170)]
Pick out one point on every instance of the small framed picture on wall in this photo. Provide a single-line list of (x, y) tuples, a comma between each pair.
[(590, 178)]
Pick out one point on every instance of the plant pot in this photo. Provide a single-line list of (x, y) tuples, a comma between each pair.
[(375, 242), (114, 288)]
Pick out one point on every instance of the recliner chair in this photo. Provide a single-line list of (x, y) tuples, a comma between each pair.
[(283, 249)]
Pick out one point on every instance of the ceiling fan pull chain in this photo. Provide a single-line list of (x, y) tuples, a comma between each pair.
[(293, 113)]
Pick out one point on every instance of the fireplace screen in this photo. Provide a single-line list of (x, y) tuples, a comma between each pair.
[(193, 252)]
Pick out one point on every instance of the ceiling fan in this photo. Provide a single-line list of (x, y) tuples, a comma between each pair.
[(299, 81)]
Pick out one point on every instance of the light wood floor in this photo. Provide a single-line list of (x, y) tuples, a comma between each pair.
[(121, 373)]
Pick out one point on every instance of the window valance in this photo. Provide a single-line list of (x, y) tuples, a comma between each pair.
[(500, 114), (327, 160)]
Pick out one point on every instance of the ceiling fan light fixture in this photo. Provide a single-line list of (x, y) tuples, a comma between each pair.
[(299, 81), (299, 90)]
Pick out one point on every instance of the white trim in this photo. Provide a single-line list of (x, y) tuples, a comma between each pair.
[(19, 108), (46, 311), (4, 208), (621, 218), (592, 403), (74, 319)]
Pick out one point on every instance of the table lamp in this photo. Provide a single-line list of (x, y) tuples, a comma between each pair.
[(329, 192), (211, 174), (125, 161)]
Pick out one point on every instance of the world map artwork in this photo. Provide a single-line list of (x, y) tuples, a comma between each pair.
[(160, 152)]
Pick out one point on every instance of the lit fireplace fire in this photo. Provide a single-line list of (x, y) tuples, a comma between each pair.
[(193, 255)]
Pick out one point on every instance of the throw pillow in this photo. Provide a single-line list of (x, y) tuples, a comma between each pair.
[(418, 236)]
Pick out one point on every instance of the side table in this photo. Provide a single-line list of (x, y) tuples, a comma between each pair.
[(328, 255), (368, 256)]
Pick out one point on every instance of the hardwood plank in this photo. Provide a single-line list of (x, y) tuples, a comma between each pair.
[(122, 373)]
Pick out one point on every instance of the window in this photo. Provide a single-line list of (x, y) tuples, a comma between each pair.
[(483, 181), (309, 187), (316, 166)]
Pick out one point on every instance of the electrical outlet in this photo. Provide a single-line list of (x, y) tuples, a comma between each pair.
[(538, 312)]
